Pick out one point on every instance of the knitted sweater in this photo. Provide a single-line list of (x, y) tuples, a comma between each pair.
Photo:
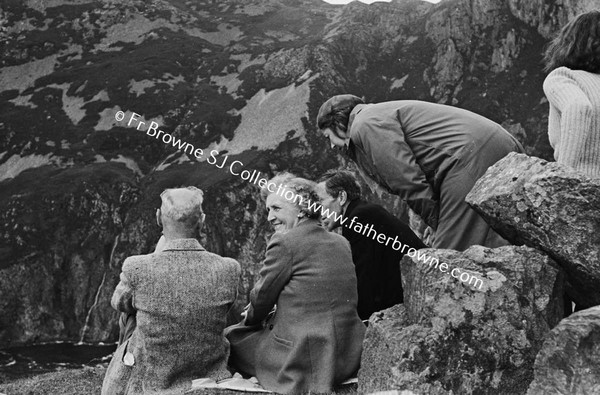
[(574, 118)]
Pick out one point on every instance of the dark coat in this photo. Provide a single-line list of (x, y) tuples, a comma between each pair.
[(377, 265), (314, 340), (431, 155), (181, 297)]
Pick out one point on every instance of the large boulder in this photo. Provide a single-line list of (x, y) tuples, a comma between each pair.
[(476, 336), (394, 352), (569, 361), (550, 207)]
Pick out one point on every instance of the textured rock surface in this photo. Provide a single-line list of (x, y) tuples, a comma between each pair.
[(550, 207), (391, 347), (569, 361), (52, 275), (549, 17), (449, 336)]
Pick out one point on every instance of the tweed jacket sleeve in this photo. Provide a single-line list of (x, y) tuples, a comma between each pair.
[(575, 109), (122, 299), (385, 146), (274, 274)]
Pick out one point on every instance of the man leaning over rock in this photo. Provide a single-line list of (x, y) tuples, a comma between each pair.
[(180, 296)]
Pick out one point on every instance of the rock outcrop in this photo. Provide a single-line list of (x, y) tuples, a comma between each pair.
[(67, 229), (569, 361), (550, 207), (452, 337)]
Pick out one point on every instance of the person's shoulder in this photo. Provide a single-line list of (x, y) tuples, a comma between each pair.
[(383, 221), (302, 236), (562, 74), (560, 77), (366, 113), (581, 76), (310, 227), (232, 264), (224, 261), (137, 262), (559, 72), (335, 242), (372, 211), (367, 208), (339, 238)]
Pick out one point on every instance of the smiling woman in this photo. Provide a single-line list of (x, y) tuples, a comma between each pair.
[(289, 206), (312, 339)]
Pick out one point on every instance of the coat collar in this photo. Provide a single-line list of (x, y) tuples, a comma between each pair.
[(309, 221), (183, 244), (352, 206), (353, 113), (351, 148)]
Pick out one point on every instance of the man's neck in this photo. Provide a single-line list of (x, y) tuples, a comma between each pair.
[(174, 235), (345, 208)]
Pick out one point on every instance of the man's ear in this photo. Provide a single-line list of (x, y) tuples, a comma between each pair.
[(158, 220), (343, 196), (201, 221), (199, 226)]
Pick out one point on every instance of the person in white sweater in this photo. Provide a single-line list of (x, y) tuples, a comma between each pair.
[(573, 91)]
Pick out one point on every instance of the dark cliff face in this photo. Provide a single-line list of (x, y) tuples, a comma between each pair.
[(78, 189)]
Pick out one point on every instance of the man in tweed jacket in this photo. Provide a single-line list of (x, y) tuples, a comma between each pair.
[(180, 296)]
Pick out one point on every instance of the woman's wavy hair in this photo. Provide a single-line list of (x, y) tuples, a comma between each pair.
[(577, 45), (304, 193)]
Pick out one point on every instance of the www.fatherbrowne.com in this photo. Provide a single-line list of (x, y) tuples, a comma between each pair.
[(255, 178), (367, 230)]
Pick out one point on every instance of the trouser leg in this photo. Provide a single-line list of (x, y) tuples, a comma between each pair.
[(243, 341), (460, 226)]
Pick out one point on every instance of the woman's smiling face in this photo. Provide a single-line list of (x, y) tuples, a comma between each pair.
[(283, 214)]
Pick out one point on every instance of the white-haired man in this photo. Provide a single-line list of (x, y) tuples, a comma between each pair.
[(180, 296)]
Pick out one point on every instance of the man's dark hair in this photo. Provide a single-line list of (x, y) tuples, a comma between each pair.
[(337, 119), (337, 181), (577, 45), (335, 112)]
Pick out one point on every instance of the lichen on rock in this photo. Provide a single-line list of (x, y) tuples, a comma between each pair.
[(550, 207), (569, 361), (449, 337)]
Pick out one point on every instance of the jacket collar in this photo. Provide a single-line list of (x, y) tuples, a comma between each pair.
[(351, 148), (309, 221), (352, 206), (353, 113), (183, 244)]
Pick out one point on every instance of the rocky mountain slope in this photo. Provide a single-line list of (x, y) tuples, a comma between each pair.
[(79, 188)]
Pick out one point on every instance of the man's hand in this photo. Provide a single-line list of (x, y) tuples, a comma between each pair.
[(429, 236), (244, 313)]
